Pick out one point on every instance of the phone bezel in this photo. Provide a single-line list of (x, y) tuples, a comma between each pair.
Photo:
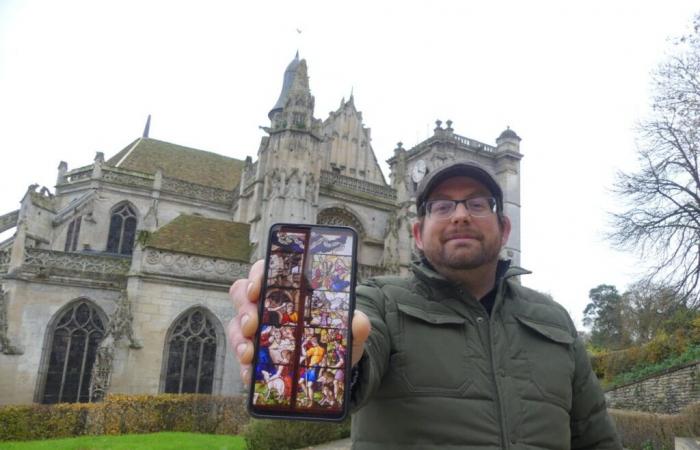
[(265, 413)]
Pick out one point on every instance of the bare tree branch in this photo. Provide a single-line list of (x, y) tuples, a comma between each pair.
[(661, 221)]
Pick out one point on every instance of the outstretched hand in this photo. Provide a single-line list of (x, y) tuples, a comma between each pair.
[(244, 294)]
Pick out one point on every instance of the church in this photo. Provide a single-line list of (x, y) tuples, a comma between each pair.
[(116, 280)]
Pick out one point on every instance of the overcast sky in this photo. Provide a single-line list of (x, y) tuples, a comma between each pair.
[(571, 78)]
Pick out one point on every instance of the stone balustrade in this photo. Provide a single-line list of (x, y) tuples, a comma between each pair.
[(353, 184), (471, 143), (79, 174), (197, 191), (457, 139), (125, 178), (146, 181)]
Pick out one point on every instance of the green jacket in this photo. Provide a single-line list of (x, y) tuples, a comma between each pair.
[(438, 372)]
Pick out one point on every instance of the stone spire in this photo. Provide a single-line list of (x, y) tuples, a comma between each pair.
[(289, 76), (290, 159), (147, 128)]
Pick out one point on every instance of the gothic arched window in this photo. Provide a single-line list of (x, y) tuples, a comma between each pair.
[(191, 351), (340, 216), (73, 233), (73, 345), (122, 230)]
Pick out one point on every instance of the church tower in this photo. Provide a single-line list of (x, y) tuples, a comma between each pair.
[(289, 159)]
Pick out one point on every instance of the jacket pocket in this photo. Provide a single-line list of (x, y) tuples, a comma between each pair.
[(432, 356), (549, 352)]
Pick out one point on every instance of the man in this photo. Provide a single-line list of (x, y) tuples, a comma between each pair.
[(460, 355)]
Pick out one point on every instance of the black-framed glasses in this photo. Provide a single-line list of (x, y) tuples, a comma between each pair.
[(477, 207)]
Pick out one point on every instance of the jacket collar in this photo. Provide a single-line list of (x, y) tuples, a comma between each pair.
[(424, 271), (443, 290)]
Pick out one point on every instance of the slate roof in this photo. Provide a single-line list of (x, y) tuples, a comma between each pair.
[(147, 155), (201, 236)]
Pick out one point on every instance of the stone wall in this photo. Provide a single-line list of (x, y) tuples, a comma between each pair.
[(667, 393), (31, 309)]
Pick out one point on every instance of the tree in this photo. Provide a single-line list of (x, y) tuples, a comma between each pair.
[(662, 221), (605, 314), (650, 308)]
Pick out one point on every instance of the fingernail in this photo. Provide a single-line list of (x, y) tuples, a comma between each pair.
[(245, 318), (241, 348)]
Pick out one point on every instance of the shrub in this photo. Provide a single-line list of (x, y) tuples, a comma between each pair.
[(647, 431), (663, 352), (291, 434), (125, 414), (23, 422)]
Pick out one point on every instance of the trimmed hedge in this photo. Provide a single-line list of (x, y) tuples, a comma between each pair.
[(30, 422), (291, 434), (131, 414), (647, 431), (125, 414)]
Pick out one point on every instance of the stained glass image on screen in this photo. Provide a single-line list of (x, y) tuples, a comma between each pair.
[(300, 364), (281, 307), (327, 309), (331, 244), (288, 242), (331, 272), (285, 270)]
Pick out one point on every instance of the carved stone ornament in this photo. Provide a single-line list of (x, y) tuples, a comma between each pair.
[(197, 191), (4, 260), (365, 271), (120, 327), (79, 262), (101, 377), (390, 260), (179, 264), (6, 346), (127, 179), (339, 216)]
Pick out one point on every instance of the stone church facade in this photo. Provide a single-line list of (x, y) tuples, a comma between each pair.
[(117, 280)]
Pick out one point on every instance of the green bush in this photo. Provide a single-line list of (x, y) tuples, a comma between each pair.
[(125, 414), (30, 422), (666, 350), (647, 431), (291, 434)]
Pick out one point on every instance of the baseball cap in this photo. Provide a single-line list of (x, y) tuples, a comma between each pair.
[(469, 169)]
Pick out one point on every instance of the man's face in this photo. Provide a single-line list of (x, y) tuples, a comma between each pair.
[(461, 242)]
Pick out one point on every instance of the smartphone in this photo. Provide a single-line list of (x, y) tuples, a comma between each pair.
[(301, 367)]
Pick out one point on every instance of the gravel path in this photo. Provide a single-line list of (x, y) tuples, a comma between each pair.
[(343, 444)]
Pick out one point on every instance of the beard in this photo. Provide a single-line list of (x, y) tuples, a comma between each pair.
[(463, 256)]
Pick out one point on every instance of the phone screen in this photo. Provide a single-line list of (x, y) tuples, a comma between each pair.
[(302, 357)]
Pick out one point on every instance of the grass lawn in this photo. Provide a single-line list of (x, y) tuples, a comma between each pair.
[(155, 441)]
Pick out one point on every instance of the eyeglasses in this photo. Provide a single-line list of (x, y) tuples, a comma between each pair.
[(477, 207)]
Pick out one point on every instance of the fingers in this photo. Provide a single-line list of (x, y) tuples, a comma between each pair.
[(242, 347), (360, 332), (255, 277), (244, 295)]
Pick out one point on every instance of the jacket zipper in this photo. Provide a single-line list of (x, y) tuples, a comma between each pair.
[(501, 412)]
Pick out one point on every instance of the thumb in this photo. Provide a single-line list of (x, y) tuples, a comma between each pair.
[(360, 332)]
